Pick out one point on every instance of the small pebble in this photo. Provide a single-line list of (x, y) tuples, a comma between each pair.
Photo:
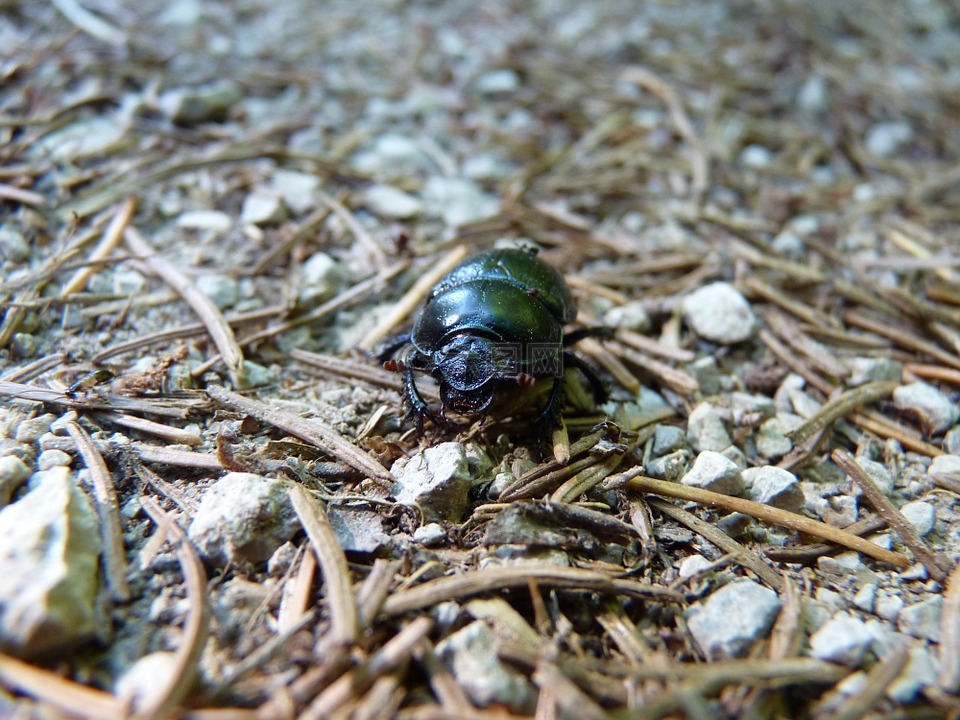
[(756, 156), (632, 316), (920, 669), (728, 622), (866, 597), (667, 439), (261, 209), (705, 429), (937, 412), (840, 511), (886, 138), (712, 471), (692, 565), (775, 487), (922, 619), (436, 480), (13, 473), (878, 473), (212, 220), (388, 201), (922, 515), (30, 430), (223, 290), (430, 534), (945, 467), (843, 640), (719, 313), (888, 605), (53, 458)]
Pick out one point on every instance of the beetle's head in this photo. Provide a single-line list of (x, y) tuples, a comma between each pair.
[(466, 367)]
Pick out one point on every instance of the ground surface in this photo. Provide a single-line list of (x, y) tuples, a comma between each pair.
[(267, 183)]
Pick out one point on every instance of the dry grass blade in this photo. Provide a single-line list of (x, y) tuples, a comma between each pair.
[(357, 228), (949, 678), (175, 435), (394, 653), (198, 617), (745, 557), (180, 408), (375, 589), (599, 354), (333, 563), (29, 371), (571, 700), (769, 514), (413, 297), (499, 578), (108, 510), (699, 162), (112, 237), (811, 553), (875, 685), (220, 331), (312, 431), (73, 698), (904, 339), (585, 480), (91, 24), (793, 362), (840, 406), (884, 427), (652, 347), (881, 503)]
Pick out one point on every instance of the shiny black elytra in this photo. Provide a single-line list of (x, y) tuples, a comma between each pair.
[(494, 322)]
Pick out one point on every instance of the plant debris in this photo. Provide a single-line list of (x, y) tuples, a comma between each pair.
[(211, 216)]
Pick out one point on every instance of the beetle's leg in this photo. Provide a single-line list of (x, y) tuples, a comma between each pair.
[(575, 336), (549, 417), (597, 386), (385, 350), (417, 408)]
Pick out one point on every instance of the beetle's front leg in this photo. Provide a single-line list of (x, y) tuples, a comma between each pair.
[(549, 418), (417, 407)]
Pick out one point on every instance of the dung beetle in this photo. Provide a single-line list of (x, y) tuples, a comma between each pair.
[(494, 322)]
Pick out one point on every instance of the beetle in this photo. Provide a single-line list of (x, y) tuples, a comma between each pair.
[(493, 322)]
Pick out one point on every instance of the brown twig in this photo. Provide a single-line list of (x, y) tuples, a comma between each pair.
[(108, 510), (881, 503), (312, 431), (333, 563), (220, 331), (769, 514)]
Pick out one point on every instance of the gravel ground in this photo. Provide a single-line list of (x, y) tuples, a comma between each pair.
[(213, 212)]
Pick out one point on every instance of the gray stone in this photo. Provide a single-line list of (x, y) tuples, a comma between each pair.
[(922, 515), (872, 369), (222, 290), (728, 622), (436, 480), (946, 467), (52, 458), (457, 201), (707, 374), (254, 374), (209, 220), (631, 316), (670, 466), (840, 511), (359, 530), (127, 281), (667, 439), (771, 439), (705, 429), (13, 246), (866, 597), (430, 534), (298, 190), (143, 684), (919, 672), (13, 473), (886, 138), (84, 138), (394, 156), (887, 605), (282, 559), (691, 565), (744, 407), (30, 430), (843, 639), (756, 156), (497, 82), (388, 201), (712, 471), (49, 550), (775, 487), (207, 103), (719, 313), (878, 472), (922, 619), (243, 517), (24, 345), (321, 278), (934, 409), (471, 655), (261, 208), (951, 441)]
